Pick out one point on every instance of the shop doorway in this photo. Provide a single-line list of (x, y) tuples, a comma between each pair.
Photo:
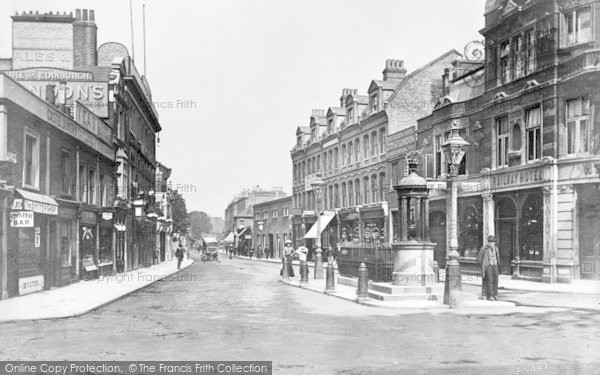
[(588, 219), (506, 218), (437, 234)]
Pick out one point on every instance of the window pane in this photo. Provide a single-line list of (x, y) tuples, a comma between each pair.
[(571, 137), (585, 25), (583, 136)]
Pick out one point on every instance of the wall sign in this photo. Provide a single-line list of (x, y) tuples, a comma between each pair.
[(515, 178), (107, 52), (22, 219), (42, 44), (31, 284), (41, 208)]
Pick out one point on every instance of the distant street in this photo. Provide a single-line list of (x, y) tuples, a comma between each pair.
[(237, 310)]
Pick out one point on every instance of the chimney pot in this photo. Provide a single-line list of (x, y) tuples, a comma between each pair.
[(78, 14), (85, 15), (92, 16)]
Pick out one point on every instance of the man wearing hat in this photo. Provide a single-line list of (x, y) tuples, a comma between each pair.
[(288, 252), (489, 259)]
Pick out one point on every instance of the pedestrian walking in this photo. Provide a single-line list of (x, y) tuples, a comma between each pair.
[(288, 253), (259, 252), (489, 259), (251, 252), (179, 255)]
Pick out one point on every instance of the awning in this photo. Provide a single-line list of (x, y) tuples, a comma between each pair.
[(41, 204), (322, 223), (229, 238), (120, 227)]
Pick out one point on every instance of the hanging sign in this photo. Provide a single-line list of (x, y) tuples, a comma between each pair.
[(22, 219)]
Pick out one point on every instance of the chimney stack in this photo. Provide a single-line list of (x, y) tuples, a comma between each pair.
[(394, 70), (84, 38), (446, 82)]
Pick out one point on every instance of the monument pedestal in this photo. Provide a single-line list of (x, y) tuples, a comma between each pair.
[(413, 263)]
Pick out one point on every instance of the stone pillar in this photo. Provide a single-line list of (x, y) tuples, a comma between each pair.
[(550, 200), (426, 218), (488, 216), (403, 219), (418, 224)]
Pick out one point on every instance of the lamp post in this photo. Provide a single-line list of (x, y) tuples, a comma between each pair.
[(317, 186), (454, 151)]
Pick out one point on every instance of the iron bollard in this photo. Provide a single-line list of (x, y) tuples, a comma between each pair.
[(363, 283), (436, 271), (285, 272), (303, 272), (330, 278)]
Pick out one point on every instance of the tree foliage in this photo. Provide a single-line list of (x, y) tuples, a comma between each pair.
[(180, 216), (200, 224)]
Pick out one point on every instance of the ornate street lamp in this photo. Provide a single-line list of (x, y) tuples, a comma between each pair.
[(454, 151), (318, 186)]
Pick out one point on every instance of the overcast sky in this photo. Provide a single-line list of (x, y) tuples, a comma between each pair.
[(251, 71)]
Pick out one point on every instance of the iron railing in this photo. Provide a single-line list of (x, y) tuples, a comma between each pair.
[(378, 259)]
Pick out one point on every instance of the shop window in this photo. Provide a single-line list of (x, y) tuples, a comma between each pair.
[(532, 228), (470, 236), (502, 141), (578, 26), (66, 244), (533, 122), (31, 160), (578, 118)]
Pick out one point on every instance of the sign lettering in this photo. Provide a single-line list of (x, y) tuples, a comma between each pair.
[(22, 219), (31, 284)]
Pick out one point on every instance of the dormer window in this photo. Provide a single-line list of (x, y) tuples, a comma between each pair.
[(330, 125), (350, 116), (373, 103), (313, 135)]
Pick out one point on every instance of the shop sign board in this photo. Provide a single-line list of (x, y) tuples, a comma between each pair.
[(21, 219), (31, 284), (40, 208), (517, 178)]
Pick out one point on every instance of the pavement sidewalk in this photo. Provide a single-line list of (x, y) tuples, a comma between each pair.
[(84, 296), (590, 287)]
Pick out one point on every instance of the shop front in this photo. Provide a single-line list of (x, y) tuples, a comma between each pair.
[(350, 226), (106, 240), (32, 256), (67, 241), (373, 226), (88, 245), (587, 229)]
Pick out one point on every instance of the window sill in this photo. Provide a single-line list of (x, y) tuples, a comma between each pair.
[(30, 187)]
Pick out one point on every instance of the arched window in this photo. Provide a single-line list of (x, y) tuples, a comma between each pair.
[(344, 154), (382, 186), (357, 150), (366, 190), (357, 190), (366, 146), (350, 151), (532, 230), (344, 194), (336, 196), (374, 144), (350, 193), (374, 189)]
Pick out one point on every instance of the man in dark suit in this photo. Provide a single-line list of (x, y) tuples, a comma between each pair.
[(489, 259)]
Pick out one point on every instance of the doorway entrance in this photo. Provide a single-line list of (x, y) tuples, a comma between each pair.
[(506, 219)]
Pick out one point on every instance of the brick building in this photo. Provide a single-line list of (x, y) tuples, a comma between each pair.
[(239, 216), (272, 225), (532, 170), (64, 104), (346, 147)]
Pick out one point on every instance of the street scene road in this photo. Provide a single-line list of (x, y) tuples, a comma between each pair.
[(237, 309)]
